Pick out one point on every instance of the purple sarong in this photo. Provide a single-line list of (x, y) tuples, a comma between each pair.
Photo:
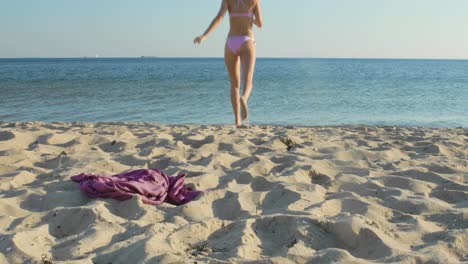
[(154, 186)]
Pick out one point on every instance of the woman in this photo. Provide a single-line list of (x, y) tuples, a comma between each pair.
[(240, 47)]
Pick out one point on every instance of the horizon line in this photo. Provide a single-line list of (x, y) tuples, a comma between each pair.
[(175, 57)]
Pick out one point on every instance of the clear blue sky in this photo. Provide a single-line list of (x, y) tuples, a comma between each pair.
[(292, 28)]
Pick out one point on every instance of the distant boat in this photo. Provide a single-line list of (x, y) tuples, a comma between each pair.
[(148, 57)]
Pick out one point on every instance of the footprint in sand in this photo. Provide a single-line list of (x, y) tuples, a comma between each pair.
[(6, 135)]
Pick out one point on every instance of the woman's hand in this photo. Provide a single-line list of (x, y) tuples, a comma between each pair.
[(199, 40), (219, 17)]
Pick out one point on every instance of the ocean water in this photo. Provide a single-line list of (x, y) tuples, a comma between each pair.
[(431, 93)]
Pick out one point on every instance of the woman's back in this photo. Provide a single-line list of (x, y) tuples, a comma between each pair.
[(241, 14)]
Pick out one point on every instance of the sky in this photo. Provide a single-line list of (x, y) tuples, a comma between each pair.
[(432, 29)]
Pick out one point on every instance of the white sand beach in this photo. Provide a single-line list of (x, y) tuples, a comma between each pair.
[(273, 194)]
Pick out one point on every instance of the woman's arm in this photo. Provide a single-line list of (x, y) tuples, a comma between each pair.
[(258, 20), (219, 17)]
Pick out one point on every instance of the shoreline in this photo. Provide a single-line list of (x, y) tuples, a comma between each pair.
[(155, 124), (280, 194)]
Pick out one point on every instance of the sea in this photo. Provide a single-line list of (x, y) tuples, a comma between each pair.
[(302, 92)]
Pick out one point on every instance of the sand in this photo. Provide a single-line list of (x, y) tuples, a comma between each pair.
[(274, 194)]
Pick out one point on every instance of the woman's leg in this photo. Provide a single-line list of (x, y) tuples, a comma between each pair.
[(232, 65), (247, 58)]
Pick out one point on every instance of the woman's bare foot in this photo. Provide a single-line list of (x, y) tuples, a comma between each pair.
[(244, 108)]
